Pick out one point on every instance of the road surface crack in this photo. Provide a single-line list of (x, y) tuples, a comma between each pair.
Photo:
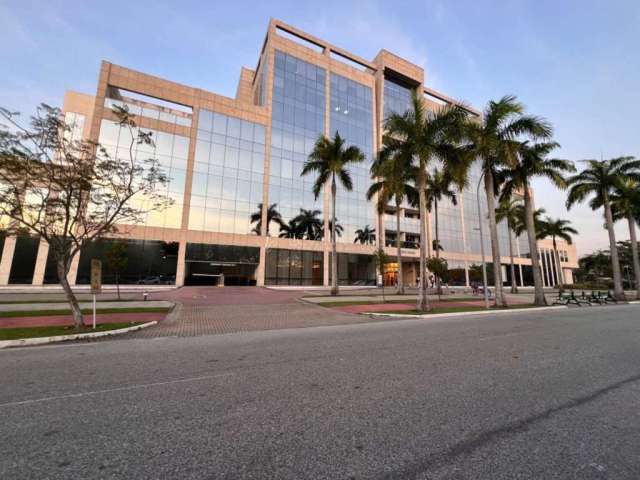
[(467, 447)]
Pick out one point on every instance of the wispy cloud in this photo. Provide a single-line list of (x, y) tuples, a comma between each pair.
[(370, 30)]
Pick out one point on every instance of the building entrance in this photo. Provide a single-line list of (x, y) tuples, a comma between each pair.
[(390, 274), (218, 274), (212, 265)]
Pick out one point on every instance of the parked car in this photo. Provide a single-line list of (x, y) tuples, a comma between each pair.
[(151, 280)]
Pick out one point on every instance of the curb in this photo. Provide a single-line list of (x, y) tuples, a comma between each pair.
[(462, 314), (23, 342), (174, 313)]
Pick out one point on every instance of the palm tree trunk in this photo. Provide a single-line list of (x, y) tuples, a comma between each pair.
[(634, 253), (558, 266), (495, 247), (435, 206), (438, 285), (400, 283), (423, 299), (618, 291), (514, 286), (63, 270), (538, 296), (334, 255)]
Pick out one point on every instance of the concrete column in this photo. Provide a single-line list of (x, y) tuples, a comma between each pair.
[(550, 262), (325, 271), (260, 271), (521, 277), (41, 263), (7, 259), (545, 268), (180, 267), (466, 273)]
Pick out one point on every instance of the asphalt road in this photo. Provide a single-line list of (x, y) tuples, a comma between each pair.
[(548, 395)]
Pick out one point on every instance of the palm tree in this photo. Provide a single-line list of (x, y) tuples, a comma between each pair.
[(425, 136), (599, 179), (625, 204), (494, 141), (508, 211), (308, 224), (558, 228), (520, 225), (392, 174), (329, 160), (532, 162), (365, 235), (438, 186), (272, 216), (290, 230), (339, 229)]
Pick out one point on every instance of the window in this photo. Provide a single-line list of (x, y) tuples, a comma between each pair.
[(169, 149), (227, 184), (150, 262), (298, 105), (397, 98), (293, 267), (352, 116)]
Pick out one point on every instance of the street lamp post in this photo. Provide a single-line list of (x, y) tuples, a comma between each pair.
[(484, 265), (626, 269)]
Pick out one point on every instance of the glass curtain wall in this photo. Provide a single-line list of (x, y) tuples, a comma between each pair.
[(228, 174), (293, 267), (397, 98), (471, 215), (150, 262), (355, 269), (24, 259), (352, 116), (298, 106), (449, 226), (169, 149), (208, 264)]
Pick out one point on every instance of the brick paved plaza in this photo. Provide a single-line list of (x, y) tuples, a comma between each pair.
[(210, 311)]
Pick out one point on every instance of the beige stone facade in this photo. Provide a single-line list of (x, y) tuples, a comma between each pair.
[(253, 102)]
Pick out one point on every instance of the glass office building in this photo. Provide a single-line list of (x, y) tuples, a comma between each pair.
[(241, 212)]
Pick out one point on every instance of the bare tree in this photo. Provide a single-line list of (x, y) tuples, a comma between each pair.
[(69, 191)]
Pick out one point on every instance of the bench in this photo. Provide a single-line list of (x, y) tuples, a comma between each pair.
[(570, 298)]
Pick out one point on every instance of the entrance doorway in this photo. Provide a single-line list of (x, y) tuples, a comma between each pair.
[(209, 264), (219, 273), (390, 274)]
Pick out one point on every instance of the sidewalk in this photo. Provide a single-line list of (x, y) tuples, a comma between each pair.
[(28, 307)]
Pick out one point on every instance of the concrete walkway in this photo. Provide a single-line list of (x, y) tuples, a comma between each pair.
[(214, 311)]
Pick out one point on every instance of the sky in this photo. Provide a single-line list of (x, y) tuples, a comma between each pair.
[(576, 63)]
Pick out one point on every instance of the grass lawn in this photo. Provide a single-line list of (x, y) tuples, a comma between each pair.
[(453, 310), (333, 303), (66, 311), (360, 302), (54, 330), (57, 300)]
